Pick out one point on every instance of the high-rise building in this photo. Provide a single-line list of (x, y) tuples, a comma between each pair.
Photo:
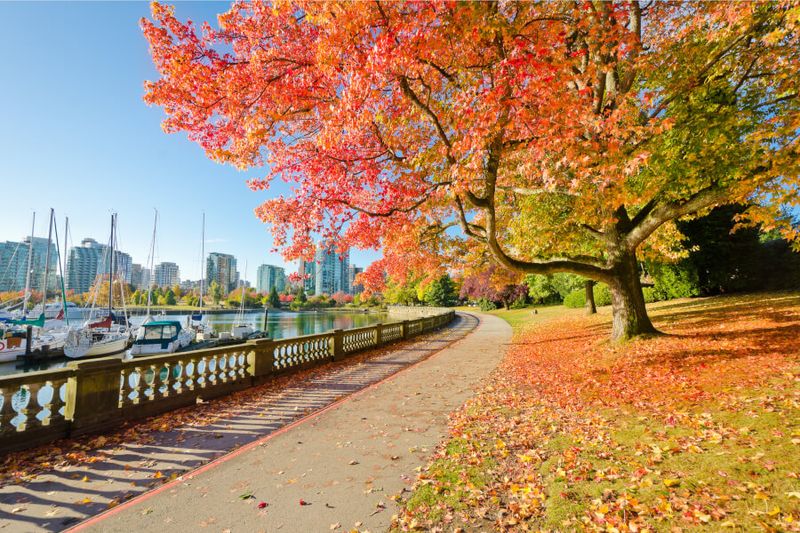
[(331, 271), (222, 269), (90, 259), (14, 263), (307, 270), (138, 278), (269, 276), (355, 288), (166, 274)]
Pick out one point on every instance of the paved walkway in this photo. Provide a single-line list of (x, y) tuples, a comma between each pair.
[(345, 462)]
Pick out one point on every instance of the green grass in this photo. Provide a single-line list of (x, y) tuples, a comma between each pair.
[(451, 480), (520, 319)]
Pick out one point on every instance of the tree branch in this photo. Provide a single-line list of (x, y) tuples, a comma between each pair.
[(533, 192), (669, 211), (411, 95)]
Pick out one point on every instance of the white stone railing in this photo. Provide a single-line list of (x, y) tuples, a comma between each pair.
[(98, 394)]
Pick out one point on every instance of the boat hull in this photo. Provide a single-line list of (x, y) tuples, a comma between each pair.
[(96, 349)]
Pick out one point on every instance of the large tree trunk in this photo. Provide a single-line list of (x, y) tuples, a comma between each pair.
[(591, 308), (627, 302)]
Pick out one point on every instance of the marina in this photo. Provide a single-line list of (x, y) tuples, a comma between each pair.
[(278, 325)]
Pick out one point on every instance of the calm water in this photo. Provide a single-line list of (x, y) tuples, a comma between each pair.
[(279, 325)]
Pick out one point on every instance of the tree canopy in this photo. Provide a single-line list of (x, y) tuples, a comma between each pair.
[(556, 136)]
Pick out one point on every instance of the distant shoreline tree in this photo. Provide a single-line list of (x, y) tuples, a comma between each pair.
[(274, 301)]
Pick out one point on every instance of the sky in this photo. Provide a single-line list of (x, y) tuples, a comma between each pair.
[(75, 135)]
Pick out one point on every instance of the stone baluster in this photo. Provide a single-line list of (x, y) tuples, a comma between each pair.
[(33, 407), (7, 412), (139, 387), (178, 386), (202, 375), (23, 411), (164, 382), (191, 381)]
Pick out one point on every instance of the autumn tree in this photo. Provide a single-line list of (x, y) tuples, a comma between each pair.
[(558, 136), (215, 291)]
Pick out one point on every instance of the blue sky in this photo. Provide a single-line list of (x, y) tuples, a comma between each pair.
[(76, 136)]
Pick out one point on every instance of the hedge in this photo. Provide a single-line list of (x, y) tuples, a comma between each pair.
[(602, 296)]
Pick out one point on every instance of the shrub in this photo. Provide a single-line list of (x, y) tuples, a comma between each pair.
[(577, 298), (519, 303), (651, 295), (486, 305)]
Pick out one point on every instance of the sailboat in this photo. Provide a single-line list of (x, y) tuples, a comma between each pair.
[(159, 336), (103, 337), (241, 329), (197, 321), (14, 339)]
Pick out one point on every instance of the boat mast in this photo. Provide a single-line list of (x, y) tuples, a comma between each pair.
[(47, 259), (63, 270), (26, 296), (66, 233), (111, 272), (152, 260), (202, 262)]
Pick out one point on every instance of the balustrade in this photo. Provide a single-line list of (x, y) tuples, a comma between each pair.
[(298, 351), (98, 394), (33, 405), (354, 340)]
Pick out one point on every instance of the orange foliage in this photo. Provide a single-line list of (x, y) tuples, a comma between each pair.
[(619, 437)]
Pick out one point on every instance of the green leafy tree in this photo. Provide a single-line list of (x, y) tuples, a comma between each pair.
[(405, 293), (441, 292), (215, 291), (169, 298), (301, 296), (273, 299)]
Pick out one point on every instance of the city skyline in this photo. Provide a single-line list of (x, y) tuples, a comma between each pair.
[(105, 150), (329, 273)]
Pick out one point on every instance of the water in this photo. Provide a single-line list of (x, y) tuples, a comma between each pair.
[(279, 325)]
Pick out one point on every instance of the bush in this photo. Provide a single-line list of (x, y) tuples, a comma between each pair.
[(577, 298), (651, 295), (486, 305), (675, 281), (519, 303)]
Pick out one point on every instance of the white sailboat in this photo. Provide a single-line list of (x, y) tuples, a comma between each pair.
[(241, 329), (103, 337), (198, 322), (14, 339), (159, 336)]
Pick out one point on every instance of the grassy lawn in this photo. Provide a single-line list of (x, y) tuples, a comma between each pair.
[(695, 430), (519, 318)]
